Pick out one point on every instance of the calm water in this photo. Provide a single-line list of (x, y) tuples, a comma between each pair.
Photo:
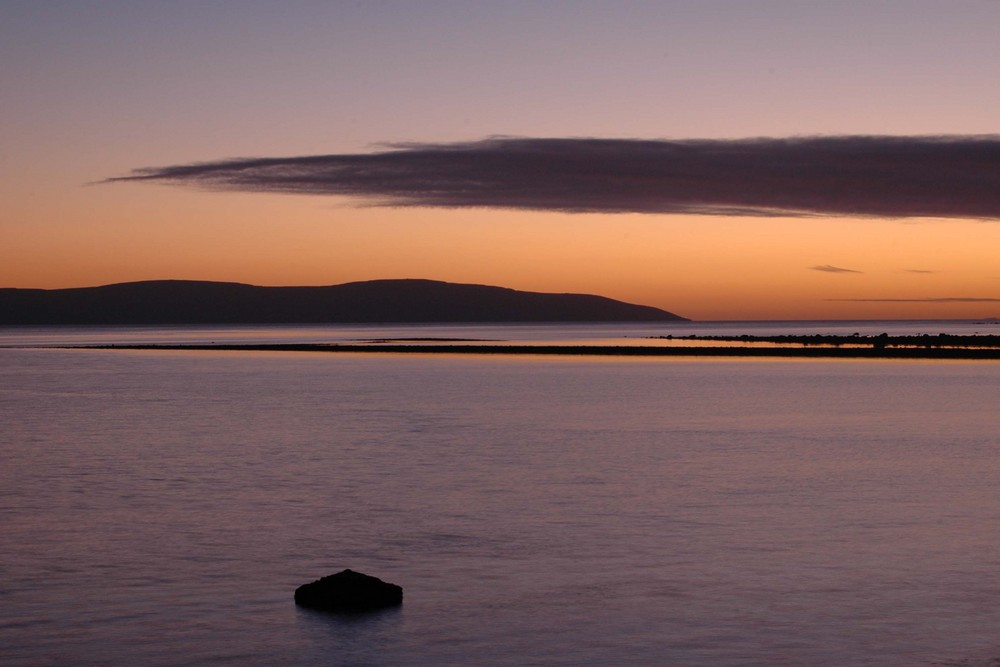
[(161, 508), (579, 334)]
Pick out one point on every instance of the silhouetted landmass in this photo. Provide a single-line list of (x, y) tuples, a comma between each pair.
[(880, 341), (375, 301), (827, 352)]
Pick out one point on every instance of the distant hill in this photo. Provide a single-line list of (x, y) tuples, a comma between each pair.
[(403, 301)]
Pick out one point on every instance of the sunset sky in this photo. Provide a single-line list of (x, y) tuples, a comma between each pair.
[(93, 91)]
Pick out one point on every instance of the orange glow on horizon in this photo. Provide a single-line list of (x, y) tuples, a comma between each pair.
[(704, 268)]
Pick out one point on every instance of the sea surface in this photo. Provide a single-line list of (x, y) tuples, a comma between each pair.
[(160, 508), (643, 333)]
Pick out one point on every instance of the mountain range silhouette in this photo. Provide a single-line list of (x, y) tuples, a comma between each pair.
[(375, 301)]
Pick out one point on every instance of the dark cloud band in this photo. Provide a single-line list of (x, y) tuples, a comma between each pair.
[(954, 177), (827, 268)]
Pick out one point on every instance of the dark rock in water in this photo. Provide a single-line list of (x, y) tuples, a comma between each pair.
[(349, 591)]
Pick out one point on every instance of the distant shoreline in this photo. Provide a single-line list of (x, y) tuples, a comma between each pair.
[(826, 352), (413, 301)]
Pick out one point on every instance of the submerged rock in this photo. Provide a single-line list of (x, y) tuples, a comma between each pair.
[(349, 591)]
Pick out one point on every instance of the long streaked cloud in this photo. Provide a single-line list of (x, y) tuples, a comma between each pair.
[(944, 299), (883, 176), (827, 268)]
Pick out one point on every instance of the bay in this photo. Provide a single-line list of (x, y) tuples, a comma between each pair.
[(643, 333), (161, 507)]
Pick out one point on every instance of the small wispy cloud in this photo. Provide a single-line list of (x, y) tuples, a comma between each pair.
[(882, 176), (945, 299), (920, 271), (827, 268)]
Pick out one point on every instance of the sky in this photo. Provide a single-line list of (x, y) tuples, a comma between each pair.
[(721, 160)]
